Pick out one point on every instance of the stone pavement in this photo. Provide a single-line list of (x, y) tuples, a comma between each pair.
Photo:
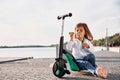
[(39, 69)]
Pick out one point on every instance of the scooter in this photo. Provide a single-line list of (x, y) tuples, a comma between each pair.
[(59, 67)]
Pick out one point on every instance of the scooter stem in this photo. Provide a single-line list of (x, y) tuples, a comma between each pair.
[(62, 27)]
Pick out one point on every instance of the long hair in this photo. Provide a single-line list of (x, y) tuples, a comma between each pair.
[(88, 34)]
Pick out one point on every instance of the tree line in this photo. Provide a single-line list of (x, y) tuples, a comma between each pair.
[(112, 41)]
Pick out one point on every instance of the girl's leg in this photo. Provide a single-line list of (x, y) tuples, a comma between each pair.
[(95, 71), (91, 58), (86, 65)]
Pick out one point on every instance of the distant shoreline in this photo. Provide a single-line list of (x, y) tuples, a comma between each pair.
[(28, 46), (36, 46)]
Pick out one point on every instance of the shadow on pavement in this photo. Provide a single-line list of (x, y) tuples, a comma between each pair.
[(112, 76), (74, 78)]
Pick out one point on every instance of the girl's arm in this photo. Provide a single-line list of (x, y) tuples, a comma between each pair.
[(70, 44), (91, 48), (88, 45)]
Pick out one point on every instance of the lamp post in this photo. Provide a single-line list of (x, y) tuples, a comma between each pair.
[(107, 46)]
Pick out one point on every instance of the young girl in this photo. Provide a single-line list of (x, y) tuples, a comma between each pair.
[(82, 49)]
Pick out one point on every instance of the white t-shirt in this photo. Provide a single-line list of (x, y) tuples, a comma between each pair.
[(76, 47)]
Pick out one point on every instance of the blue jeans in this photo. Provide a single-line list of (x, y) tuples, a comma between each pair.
[(90, 58), (86, 65)]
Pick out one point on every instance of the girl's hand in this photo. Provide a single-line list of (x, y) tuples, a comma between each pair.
[(71, 35), (85, 45)]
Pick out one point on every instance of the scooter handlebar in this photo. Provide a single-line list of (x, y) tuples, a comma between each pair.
[(63, 16)]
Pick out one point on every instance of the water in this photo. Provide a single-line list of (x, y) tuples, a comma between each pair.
[(43, 52), (49, 52)]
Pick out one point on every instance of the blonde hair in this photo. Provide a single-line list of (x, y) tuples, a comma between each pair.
[(88, 34)]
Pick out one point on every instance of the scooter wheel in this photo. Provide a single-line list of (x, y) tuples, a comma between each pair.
[(59, 69)]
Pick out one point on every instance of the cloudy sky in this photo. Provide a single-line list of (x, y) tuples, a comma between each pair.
[(34, 22)]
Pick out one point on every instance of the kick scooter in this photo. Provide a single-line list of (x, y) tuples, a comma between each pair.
[(59, 67)]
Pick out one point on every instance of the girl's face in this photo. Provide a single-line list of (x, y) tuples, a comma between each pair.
[(80, 32)]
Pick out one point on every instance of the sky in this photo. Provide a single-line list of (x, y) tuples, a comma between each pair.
[(34, 22)]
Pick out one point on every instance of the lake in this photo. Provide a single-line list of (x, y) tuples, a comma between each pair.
[(42, 52)]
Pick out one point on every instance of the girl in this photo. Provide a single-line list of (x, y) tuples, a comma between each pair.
[(81, 47)]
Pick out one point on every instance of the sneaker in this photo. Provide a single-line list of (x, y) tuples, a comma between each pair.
[(101, 72)]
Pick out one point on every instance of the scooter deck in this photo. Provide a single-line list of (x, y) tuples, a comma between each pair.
[(71, 61)]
